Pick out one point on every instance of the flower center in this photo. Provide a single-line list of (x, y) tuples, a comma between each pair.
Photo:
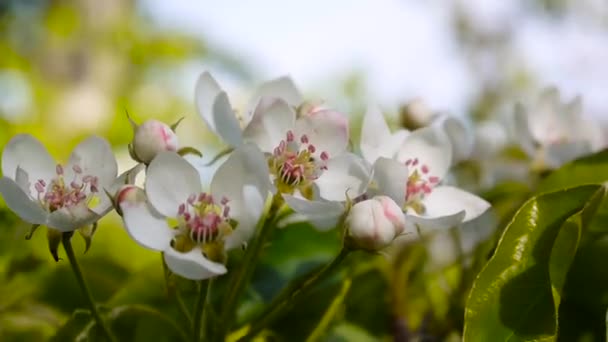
[(61, 194), (419, 184), (204, 222), (296, 163)]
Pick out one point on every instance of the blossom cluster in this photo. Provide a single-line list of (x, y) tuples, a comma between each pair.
[(289, 159)]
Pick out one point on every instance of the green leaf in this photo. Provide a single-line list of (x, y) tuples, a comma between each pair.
[(591, 169), (516, 296)]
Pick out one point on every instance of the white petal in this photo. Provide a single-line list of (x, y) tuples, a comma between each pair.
[(20, 202), (146, 227), (323, 215), (325, 131), (419, 225), (431, 147), (376, 138), (253, 205), (448, 200), (391, 178), (561, 153), (226, 124), (70, 219), (346, 175), (522, 131), (94, 156), (460, 137), (192, 265), (127, 177), (282, 87), (206, 90), (170, 179), (26, 152), (246, 167), (269, 124)]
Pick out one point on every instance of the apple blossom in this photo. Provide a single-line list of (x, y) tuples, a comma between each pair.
[(374, 223), (64, 197), (552, 132), (194, 228)]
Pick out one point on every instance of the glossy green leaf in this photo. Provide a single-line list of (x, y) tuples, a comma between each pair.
[(515, 296), (591, 169)]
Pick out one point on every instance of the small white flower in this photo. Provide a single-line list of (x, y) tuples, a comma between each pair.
[(151, 138), (373, 224), (552, 132), (193, 228), (215, 109), (64, 197)]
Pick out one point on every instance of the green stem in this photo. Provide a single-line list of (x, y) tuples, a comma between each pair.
[(67, 245), (242, 276), (199, 309), (174, 292), (290, 295)]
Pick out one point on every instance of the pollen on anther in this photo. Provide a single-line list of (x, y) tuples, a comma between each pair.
[(425, 169), (311, 148), (77, 168), (304, 139), (290, 136), (324, 156)]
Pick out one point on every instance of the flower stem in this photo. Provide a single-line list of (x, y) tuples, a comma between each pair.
[(67, 245), (291, 294), (199, 309), (174, 292), (243, 274)]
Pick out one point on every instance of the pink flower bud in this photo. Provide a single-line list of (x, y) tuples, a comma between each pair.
[(153, 137), (129, 195), (373, 224)]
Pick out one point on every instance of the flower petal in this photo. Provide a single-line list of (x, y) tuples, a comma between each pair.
[(325, 132), (460, 138), (170, 179), (94, 156), (239, 178), (346, 175), (206, 90), (522, 130), (146, 227), (72, 218), (391, 178), (431, 147), (376, 138), (255, 202), (24, 151), (324, 215), (269, 125), (449, 200), (419, 226), (560, 153), (192, 265), (21, 203), (226, 124), (282, 87)]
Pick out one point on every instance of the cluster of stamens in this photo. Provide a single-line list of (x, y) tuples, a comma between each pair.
[(203, 219), (419, 184), (60, 194), (294, 164)]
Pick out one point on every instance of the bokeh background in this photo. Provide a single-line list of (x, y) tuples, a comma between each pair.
[(69, 69)]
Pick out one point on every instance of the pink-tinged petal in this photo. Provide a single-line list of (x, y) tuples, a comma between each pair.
[(94, 156), (376, 138), (226, 124), (346, 175), (430, 147), (391, 178), (26, 152), (282, 87), (242, 177), (128, 177), (326, 130), (270, 123), (170, 179), (146, 227), (449, 200), (20, 202), (192, 265), (324, 215)]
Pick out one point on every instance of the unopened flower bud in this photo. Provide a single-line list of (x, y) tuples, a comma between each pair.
[(373, 224), (150, 138), (128, 195)]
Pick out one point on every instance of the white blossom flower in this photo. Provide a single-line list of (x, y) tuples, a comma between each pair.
[(552, 132), (373, 224), (64, 197), (215, 109), (194, 228)]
